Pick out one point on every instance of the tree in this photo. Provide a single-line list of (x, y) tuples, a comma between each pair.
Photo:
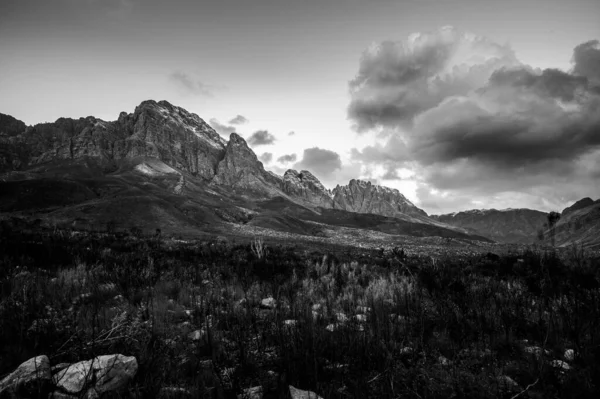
[(553, 218)]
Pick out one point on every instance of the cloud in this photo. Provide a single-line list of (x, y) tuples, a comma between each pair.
[(396, 81), (470, 119), (223, 130), (238, 120), (261, 137), (287, 158), (191, 86), (320, 162), (292, 133), (266, 157), (586, 59)]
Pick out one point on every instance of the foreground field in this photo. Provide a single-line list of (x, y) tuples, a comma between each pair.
[(215, 318)]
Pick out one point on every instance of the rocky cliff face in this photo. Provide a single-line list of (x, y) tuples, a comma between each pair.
[(240, 168), (183, 141), (157, 130), (363, 197), (509, 225), (306, 186)]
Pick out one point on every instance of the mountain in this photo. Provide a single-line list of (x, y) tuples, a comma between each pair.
[(582, 203), (508, 225), (162, 166), (363, 197), (579, 224)]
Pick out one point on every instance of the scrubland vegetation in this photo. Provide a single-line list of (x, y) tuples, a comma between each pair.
[(215, 318)]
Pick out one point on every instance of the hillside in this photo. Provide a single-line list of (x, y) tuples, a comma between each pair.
[(164, 167), (508, 225)]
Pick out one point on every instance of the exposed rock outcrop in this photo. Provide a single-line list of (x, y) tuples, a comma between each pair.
[(304, 185), (363, 197), (108, 373), (240, 168), (31, 379), (156, 129)]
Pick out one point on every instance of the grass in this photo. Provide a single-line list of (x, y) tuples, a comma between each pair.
[(383, 324)]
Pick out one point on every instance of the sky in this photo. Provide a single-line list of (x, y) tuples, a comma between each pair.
[(459, 104)]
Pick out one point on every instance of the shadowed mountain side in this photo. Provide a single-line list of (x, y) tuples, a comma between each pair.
[(389, 225), (580, 225), (508, 226)]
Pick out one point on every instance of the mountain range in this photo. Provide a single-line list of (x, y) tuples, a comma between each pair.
[(164, 167)]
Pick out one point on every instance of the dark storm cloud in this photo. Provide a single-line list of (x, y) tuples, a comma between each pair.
[(266, 157), (586, 59), (397, 81), (517, 120), (550, 83), (320, 162), (190, 85), (223, 130), (287, 158), (261, 137), (238, 120), (480, 129)]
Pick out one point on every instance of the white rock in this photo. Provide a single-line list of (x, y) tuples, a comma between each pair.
[(300, 394), (559, 364), (197, 335), (361, 318), (507, 384), (535, 350), (406, 350), (569, 355), (268, 303), (32, 376), (107, 373), (341, 317)]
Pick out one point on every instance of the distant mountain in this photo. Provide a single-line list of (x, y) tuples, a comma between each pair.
[(508, 225), (579, 224), (162, 166)]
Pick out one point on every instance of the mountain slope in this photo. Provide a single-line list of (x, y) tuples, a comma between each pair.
[(164, 166), (509, 225), (579, 224)]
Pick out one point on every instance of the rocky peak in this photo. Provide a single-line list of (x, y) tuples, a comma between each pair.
[(10, 126), (582, 203), (364, 197), (307, 187), (240, 168)]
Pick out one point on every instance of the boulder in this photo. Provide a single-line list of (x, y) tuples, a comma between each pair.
[(268, 303), (108, 373), (569, 355), (32, 378), (507, 384), (296, 393)]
